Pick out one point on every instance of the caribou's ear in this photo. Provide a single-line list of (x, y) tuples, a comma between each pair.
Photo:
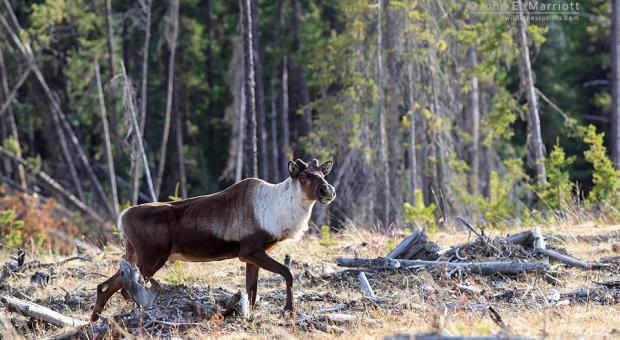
[(326, 167), (293, 169)]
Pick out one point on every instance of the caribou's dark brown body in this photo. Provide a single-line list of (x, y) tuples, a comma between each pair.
[(243, 221)]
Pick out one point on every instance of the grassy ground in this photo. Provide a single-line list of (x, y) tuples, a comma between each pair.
[(412, 295)]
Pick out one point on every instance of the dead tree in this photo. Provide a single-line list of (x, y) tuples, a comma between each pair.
[(145, 5), (128, 100), (527, 81), (300, 69), (5, 97), (261, 126), (615, 84), (412, 128), (58, 116), (474, 117), (393, 111), (382, 131), (107, 139), (179, 139), (171, 39), (249, 81), (275, 176)]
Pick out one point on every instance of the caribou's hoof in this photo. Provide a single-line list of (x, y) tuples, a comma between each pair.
[(288, 312), (94, 316)]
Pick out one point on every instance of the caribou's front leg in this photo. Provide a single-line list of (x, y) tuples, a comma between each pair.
[(262, 260), (251, 281)]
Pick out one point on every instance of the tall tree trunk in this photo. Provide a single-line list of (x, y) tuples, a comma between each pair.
[(385, 168), (108, 144), (474, 117), (208, 4), (171, 38), (300, 69), (128, 100), (250, 100), (275, 176), (527, 80), (179, 139), (263, 164), (436, 141), (394, 115), (413, 171), (615, 84), (110, 43), (10, 121), (240, 136), (146, 8), (284, 126)]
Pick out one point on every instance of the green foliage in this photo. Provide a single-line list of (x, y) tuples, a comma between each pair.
[(11, 144), (10, 227), (326, 240), (176, 196), (422, 216), (557, 192), (178, 274), (606, 179)]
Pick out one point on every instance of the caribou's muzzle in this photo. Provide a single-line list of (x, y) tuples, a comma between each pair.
[(327, 193)]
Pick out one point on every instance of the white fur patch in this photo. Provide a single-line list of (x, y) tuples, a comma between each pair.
[(282, 209)]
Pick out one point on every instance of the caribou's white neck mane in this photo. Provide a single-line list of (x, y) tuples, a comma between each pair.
[(282, 209)]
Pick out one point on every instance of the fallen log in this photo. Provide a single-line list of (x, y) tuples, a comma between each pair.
[(484, 268), (524, 238), (415, 246), (571, 261), (436, 336), (39, 312)]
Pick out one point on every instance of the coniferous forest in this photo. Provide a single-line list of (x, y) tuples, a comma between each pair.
[(464, 158)]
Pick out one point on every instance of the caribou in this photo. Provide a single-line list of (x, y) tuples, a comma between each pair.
[(244, 221)]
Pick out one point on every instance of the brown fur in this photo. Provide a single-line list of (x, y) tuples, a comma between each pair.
[(201, 229)]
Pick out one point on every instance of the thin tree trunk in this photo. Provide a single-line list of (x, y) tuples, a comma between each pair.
[(130, 105), (284, 126), (250, 100), (275, 176), (137, 175), (263, 164), (527, 79), (301, 69), (394, 115), (10, 118), (615, 84), (108, 144), (240, 137), (385, 168), (173, 18), (208, 5), (110, 43), (474, 97), (180, 150), (413, 171)]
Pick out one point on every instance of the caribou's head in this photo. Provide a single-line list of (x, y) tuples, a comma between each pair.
[(312, 181)]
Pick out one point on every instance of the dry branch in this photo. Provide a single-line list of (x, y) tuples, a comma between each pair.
[(453, 337), (55, 186), (415, 246), (571, 261), (479, 235), (484, 268), (39, 312)]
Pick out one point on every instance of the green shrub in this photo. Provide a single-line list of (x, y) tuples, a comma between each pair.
[(11, 228), (326, 238), (422, 216), (558, 191), (605, 179)]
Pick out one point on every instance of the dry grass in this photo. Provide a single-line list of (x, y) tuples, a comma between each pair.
[(407, 311)]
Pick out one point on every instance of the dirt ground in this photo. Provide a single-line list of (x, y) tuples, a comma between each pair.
[(413, 298)]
